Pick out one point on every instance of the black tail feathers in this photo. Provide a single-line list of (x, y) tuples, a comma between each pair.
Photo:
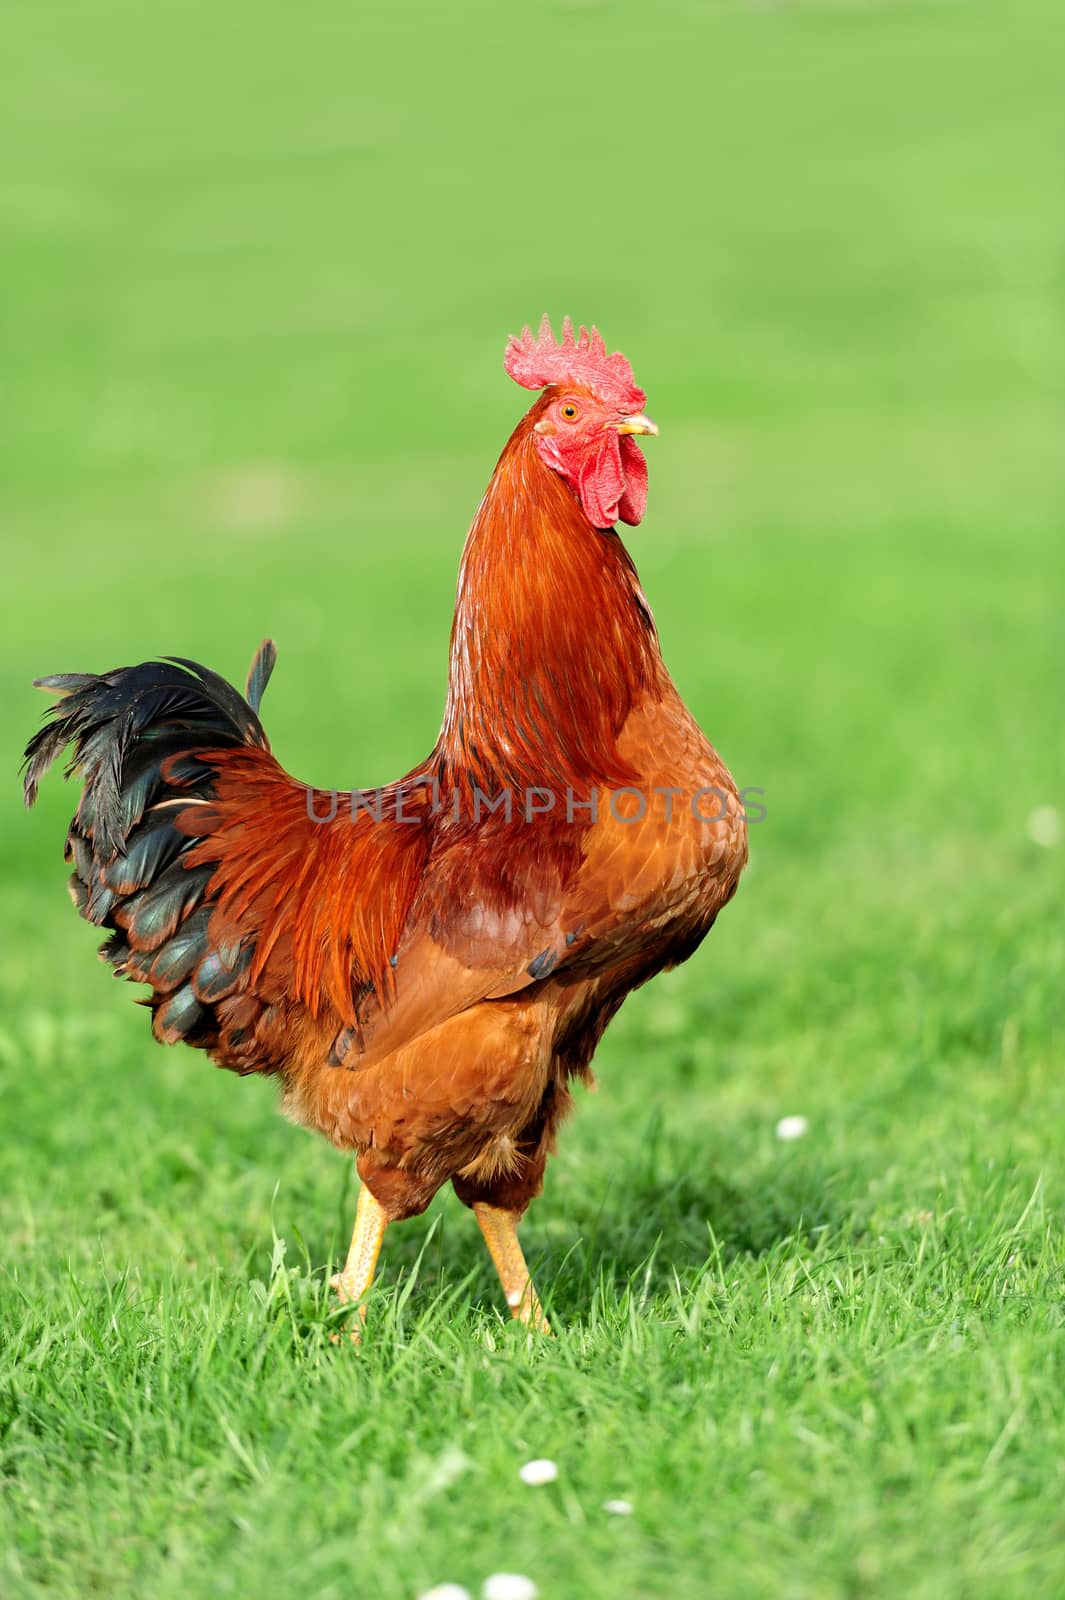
[(125, 725), (142, 739)]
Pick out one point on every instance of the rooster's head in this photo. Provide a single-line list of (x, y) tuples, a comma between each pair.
[(586, 420)]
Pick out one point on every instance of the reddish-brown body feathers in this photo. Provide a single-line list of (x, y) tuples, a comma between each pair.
[(422, 973)]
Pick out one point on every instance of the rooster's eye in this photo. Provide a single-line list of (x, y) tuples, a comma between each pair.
[(570, 411)]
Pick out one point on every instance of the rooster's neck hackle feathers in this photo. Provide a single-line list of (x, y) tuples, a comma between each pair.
[(552, 643)]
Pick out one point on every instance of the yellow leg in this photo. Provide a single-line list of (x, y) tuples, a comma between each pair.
[(351, 1284), (500, 1230)]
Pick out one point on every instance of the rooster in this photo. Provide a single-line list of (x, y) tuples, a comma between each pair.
[(425, 968)]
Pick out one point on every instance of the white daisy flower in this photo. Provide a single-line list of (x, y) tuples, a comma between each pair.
[(792, 1128), (1044, 826), (509, 1586), (538, 1472)]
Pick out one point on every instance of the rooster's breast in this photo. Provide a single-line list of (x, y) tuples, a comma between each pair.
[(666, 853)]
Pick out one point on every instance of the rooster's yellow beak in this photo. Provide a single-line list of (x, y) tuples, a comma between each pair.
[(637, 424)]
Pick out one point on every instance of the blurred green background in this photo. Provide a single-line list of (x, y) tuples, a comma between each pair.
[(259, 266)]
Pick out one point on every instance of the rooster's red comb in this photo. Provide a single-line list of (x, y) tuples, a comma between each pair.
[(576, 358)]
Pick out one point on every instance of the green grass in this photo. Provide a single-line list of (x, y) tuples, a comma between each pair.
[(258, 270)]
